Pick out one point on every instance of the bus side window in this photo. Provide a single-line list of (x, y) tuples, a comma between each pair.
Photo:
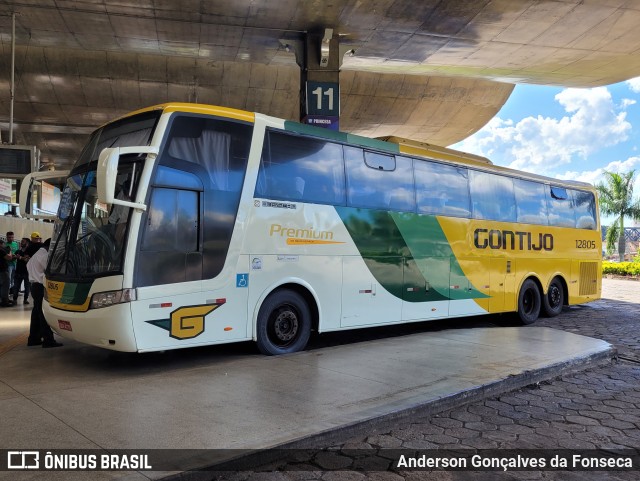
[(221, 147), (493, 196), (211, 150), (379, 181), (531, 202), (170, 250), (441, 189), (561, 211), (585, 209), (301, 169)]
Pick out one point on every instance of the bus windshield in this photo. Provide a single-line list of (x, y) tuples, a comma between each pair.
[(89, 236)]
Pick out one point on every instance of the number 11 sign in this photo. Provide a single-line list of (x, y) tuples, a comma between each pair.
[(323, 105), (323, 98)]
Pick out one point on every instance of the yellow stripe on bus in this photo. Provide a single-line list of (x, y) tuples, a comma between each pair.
[(211, 110), (70, 307)]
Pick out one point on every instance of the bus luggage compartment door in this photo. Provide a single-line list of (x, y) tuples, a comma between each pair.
[(425, 292), (365, 301)]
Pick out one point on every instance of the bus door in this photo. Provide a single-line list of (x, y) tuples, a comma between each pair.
[(502, 285), (177, 303), (368, 299), (168, 264)]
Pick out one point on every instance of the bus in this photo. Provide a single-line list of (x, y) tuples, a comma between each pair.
[(186, 225)]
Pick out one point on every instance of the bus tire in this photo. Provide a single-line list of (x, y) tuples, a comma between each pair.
[(554, 300), (529, 302), (284, 323)]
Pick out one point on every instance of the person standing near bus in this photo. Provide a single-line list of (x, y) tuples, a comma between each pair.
[(39, 330), (21, 275), (5, 257), (12, 247), (34, 246)]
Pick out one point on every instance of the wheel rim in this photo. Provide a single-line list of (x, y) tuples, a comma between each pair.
[(284, 326), (554, 296)]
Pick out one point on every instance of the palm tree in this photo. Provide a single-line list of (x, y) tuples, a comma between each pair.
[(616, 199)]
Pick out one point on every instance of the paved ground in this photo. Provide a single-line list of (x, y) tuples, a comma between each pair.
[(594, 409)]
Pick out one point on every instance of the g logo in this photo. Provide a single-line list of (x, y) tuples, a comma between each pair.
[(188, 322)]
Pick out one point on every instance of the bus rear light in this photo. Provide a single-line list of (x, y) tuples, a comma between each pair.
[(228, 328), (109, 298)]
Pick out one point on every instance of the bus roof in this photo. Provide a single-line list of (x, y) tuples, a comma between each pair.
[(195, 108), (391, 144)]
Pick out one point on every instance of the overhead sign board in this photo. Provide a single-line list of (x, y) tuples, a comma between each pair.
[(16, 161), (323, 98)]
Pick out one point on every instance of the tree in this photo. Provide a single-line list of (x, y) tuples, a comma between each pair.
[(616, 199)]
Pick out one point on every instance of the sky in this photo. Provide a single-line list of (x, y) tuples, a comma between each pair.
[(565, 133)]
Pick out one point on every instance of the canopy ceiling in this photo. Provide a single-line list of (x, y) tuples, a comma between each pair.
[(430, 70)]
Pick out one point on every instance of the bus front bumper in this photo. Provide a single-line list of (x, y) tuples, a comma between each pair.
[(108, 327)]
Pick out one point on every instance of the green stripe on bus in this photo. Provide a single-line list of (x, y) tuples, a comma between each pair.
[(435, 258), (373, 143), (75, 293), (342, 137), (315, 131), (388, 257)]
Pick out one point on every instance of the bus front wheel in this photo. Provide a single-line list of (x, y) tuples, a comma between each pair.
[(554, 300), (284, 323), (529, 302)]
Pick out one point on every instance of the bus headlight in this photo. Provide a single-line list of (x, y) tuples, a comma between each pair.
[(109, 298)]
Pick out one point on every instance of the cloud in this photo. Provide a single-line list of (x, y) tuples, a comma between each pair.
[(543, 144), (634, 84), (597, 176)]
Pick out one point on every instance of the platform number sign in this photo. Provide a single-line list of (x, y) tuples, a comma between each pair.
[(323, 98)]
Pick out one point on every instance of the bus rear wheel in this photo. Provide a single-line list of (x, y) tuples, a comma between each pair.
[(284, 323), (554, 300), (529, 302)]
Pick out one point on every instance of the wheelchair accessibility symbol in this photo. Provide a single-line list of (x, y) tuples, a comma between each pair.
[(242, 280)]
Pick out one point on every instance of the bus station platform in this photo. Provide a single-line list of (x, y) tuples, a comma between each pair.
[(229, 399)]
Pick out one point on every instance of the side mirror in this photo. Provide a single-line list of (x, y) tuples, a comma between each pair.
[(26, 190), (108, 172)]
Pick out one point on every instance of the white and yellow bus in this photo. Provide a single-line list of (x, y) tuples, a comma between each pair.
[(188, 225)]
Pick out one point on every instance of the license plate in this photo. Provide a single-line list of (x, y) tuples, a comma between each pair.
[(65, 325)]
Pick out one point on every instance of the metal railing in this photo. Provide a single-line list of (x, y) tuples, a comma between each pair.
[(631, 234)]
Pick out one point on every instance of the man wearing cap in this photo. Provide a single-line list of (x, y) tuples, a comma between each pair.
[(36, 243)]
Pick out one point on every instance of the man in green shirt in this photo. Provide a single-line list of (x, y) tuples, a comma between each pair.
[(12, 247)]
